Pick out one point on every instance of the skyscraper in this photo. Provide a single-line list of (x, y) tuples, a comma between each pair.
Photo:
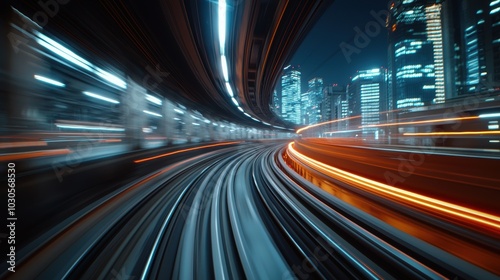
[(311, 102), (290, 94), (331, 106), (473, 29), (367, 97), (416, 58)]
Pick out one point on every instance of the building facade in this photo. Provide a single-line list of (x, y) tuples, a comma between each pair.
[(331, 106), (416, 53), (291, 94), (472, 32), (367, 98), (311, 102)]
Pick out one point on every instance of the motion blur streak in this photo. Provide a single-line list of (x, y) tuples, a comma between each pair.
[(185, 150), (452, 133), (422, 122), (34, 154), (22, 144), (468, 215), (323, 123)]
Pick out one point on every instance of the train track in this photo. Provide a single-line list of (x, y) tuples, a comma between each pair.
[(238, 212)]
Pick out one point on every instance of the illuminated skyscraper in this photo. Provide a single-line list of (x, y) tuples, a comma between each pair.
[(331, 107), (416, 53), (473, 28), (367, 97), (290, 94), (311, 102)]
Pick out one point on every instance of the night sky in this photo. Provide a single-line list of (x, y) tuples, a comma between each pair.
[(320, 54)]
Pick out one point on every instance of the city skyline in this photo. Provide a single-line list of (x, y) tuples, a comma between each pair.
[(436, 51)]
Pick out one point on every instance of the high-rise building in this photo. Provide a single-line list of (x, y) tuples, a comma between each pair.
[(291, 94), (367, 97), (311, 102), (331, 106), (472, 33), (305, 103), (416, 53)]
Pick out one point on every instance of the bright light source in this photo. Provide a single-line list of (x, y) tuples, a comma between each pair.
[(62, 51), (153, 99), (492, 115), (87, 127), (235, 102), (100, 97), (196, 123), (229, 89), (49, 81), (111, 78), (179, 111), (207, 121), (222, 25), (241, 109), (70, 56), (152, 113), (223, 62), (177, 119), (493, 126)]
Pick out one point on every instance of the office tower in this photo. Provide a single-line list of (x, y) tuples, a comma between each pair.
[(472, 32), (305, 104), (331, 106), (291, 94), (367, 97), (311, 101), (416, 53)]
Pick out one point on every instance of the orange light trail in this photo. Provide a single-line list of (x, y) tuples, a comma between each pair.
[(22, 144), (110, 140), (185, 150), (421, 122), (34, 154), (407, 197), (323, 123), (452, 133)]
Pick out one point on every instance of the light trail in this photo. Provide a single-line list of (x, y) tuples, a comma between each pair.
[(404, 196), (22, 144), (185, 150), (323, 123), (421, 122), (33, 154), (489, 132)]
